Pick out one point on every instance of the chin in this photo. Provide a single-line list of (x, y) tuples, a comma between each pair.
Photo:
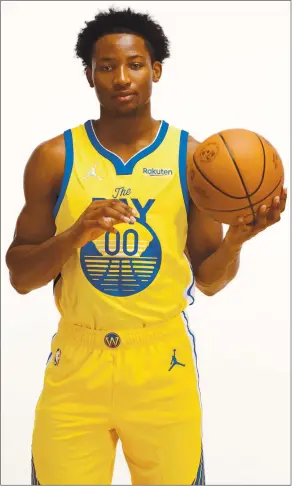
[(127, 111)]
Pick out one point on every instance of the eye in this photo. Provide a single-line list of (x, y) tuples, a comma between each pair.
[(105, 68), (136, 65)]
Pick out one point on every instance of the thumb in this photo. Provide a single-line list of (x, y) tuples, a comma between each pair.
[(238, 226), (109, 224), (241, 224), (238, 232)]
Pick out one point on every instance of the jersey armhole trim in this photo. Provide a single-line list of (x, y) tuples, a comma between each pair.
[(57, 280), (183, 166), (67, 169)]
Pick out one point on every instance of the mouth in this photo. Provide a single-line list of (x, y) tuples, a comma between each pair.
[(124, 97)]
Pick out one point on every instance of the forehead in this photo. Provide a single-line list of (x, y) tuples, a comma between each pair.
[(119, 45)]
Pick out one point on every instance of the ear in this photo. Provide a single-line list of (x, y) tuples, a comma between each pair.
[(157, 71), (88, 72)]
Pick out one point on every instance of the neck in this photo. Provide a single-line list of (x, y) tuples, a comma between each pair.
[(124, 129)]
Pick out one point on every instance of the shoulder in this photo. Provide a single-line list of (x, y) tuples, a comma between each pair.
[(192, 145), (46, 163), (54, 147)]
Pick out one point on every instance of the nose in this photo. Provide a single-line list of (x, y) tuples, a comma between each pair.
[(122, 79)]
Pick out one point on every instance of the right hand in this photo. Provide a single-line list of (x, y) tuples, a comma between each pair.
[(241, 232), (100, 217)]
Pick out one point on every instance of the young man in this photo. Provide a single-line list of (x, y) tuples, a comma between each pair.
[(108, 218)]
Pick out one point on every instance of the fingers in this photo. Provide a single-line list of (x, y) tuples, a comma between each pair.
[(244, 228), (283, 199), (102, 215), (240, 231), (261, 220), (123, 208), (119, 215), (277, 207), (274, 214), (102, 225), (116, 210), (103, 222), (107, 225), (268, 216), (106, 217), (119, 206), (241, 224)]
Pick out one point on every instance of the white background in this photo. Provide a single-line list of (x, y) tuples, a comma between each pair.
[(229, 69)]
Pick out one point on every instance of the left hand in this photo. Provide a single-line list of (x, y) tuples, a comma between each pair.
[(242, 232)]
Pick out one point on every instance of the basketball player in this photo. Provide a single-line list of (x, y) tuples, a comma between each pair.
[(108, 219)]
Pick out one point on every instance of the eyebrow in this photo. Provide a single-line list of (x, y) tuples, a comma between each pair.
[(113, 59)]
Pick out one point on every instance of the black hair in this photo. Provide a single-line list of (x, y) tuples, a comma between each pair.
[(122, 21)]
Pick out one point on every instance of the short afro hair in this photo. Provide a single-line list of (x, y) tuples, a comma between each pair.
[(122, 21)]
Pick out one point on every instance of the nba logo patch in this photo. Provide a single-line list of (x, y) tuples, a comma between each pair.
[(57, 357), (112, 340)]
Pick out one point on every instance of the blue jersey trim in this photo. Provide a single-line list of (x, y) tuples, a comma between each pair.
[(67, 169), (57, 279), (51, 354), (194, 346), (190, 288), (200, 478), (183, 166), (127, 168)]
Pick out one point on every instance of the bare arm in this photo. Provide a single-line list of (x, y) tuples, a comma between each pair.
[(215, 260), (36, 255)]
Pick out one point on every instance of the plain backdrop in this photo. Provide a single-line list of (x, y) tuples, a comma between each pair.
[(229, 68)]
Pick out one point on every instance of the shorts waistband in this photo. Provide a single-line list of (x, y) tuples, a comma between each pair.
[(119, 338)]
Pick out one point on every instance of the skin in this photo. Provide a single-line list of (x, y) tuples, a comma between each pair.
[(120, 64)]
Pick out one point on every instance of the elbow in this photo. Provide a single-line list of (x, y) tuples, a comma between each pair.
[(214, 288), (211, 289), (208, 291), (18, 285), (16, 276), (21, 291)]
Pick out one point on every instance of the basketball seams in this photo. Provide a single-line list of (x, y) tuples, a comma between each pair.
[(245, 207), (240, 175), (226, 193), (253, 167), (214, 185), (264, 167)]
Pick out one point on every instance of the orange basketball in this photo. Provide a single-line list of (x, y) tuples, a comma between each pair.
[(233, 173)]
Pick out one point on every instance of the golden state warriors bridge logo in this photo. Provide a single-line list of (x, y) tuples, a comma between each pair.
[(124, 263)]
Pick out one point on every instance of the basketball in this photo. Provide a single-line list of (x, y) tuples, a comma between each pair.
[(233, 173)]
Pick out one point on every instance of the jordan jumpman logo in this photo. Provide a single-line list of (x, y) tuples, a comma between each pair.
[(174, 361), (92, 173)]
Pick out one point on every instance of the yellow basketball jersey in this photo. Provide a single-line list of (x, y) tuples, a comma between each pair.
[(139, 276)]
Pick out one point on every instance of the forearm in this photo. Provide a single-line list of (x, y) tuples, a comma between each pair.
[(219, 268), (33, 266)]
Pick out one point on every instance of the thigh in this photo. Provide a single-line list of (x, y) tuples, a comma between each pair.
[(161, 430), (79, 459), (170, 456), (73, 439)]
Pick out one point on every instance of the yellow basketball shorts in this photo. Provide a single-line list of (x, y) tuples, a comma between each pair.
[(138, 386)]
